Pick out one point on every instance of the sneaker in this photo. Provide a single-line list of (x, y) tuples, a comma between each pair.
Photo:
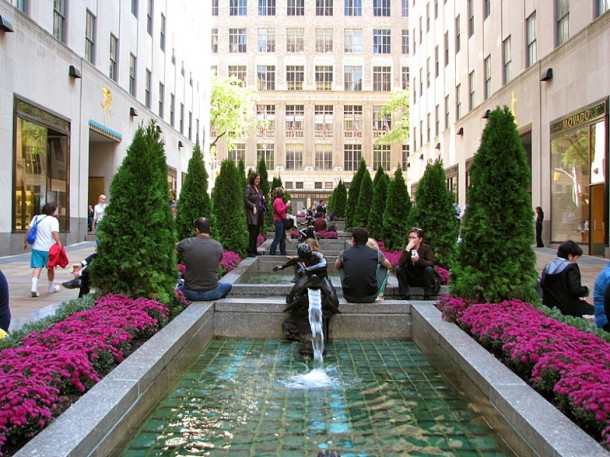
[(54, 288), (35, 293), (380, 297)]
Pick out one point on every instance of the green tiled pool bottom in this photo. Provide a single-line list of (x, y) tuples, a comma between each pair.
[(239, 399)]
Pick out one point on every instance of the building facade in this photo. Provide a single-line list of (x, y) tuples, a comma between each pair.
[(78, 78), (549, 62), (322, 70)]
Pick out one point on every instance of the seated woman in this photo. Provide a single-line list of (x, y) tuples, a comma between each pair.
[(560, 282), (320, 223)]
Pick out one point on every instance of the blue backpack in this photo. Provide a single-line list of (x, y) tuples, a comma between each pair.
[(32, 233)]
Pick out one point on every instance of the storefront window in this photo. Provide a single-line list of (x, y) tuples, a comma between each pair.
[(41, 164)]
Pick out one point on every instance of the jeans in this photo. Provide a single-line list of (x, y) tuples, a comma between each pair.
[(280, 237), (381, 276), (221, 291)]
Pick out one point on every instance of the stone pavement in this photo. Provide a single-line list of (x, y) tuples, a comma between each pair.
[(25, 308)]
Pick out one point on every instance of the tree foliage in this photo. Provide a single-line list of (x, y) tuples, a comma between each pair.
[(338, 199), (380, 191), (241, 170), (354, 194), (495, 260), (194, 200), (261, 169), (396, 213), (232, 231), (397, 113), (365, 198), (435, 214), (136, 252)]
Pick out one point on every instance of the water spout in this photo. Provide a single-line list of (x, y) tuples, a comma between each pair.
[(315, 322)]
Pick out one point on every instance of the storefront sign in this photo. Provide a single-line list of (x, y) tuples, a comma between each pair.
[(580, 118)]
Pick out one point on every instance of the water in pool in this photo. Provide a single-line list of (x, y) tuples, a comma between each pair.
[(261, 398)]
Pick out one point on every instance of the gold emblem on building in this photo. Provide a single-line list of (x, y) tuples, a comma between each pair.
[(106, 102)]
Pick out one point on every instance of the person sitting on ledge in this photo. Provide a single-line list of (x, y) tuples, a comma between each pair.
[(362, 269), (416, 266), (560, 282), (202, 256)]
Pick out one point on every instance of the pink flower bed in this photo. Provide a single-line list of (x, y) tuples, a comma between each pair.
[(563, 363), (69, 357), (260, 239), (230, 260)]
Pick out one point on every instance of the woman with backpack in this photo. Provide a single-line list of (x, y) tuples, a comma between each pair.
[(47, 234)]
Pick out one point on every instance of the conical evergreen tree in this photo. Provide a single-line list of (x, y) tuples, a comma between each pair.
[(194, 201), (396, 214), (354, 194), (435, 214), (241, 169), (136, 253), (365, 198), (495, 260), (276, 182), (232, 231), (339, 200), (380, 191), (261, 169)]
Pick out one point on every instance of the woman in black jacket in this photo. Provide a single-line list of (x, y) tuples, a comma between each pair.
[(254, 203)]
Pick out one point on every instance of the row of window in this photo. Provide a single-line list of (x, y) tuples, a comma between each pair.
[(295, 41), (380, 8), (324, 77)]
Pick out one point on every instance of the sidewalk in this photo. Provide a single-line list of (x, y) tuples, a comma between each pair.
[(25, 308)]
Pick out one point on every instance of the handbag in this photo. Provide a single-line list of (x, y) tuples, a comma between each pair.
[(31, 238), (288, 222)]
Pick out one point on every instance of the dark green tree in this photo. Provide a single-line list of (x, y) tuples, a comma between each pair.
[(380, 191), (136, 255), (396, 214), (261, 169), (365, 199), (232, 231), (495, 260), (194, 201), (339, 200), (354, 194), (435, 214), (241, 169)]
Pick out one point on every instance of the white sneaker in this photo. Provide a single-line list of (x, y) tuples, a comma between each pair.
[(35, 293), (54, 288)]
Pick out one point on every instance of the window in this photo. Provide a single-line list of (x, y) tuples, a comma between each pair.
[(470, 18), (421, 30), (404, 78), (295, 8), (446, 111), (172, 109), (471, 89), (114, 58), (428, 72), (265, 117), (458, 102), (238, 8), (436, 63), (507, 58), (295, 40), (530, 32), (181, 123), (147, 89), (265, 76), (134, 7), (90, 37), (237, 40), (486, 8), (295, 118), (435, 9), (294, 156), (190, 133), (41, 164), (298, 185), (324, 40), (446, 45), (161, 100), (295, 75), (266, 40), (457, 34), (414, 90), (601, 7), (352, 41), (324, 77), (421, 82), (23, 6), (381, 157), (132, 75), (162, 33), (352, 154), (352, 78), (149, 17), (352, 117), (214, 41), (405, 41), (381, 8), (415, 138), (427, 17), (266, 7), (381, 122), (239, 71), (562, 8), (405, 152), (237, 153), (381, 41), (323, 121), (266, 152), (324, 7), (437, 120), (353, 7), (59, 20), (405, 8), (487, 89), (214, 7)]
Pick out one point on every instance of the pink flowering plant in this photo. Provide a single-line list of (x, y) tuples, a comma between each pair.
[(566, 365), (68, 358), (260, 239)]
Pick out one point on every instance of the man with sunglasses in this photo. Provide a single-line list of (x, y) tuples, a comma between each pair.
[(202, 256), (416, 266)]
